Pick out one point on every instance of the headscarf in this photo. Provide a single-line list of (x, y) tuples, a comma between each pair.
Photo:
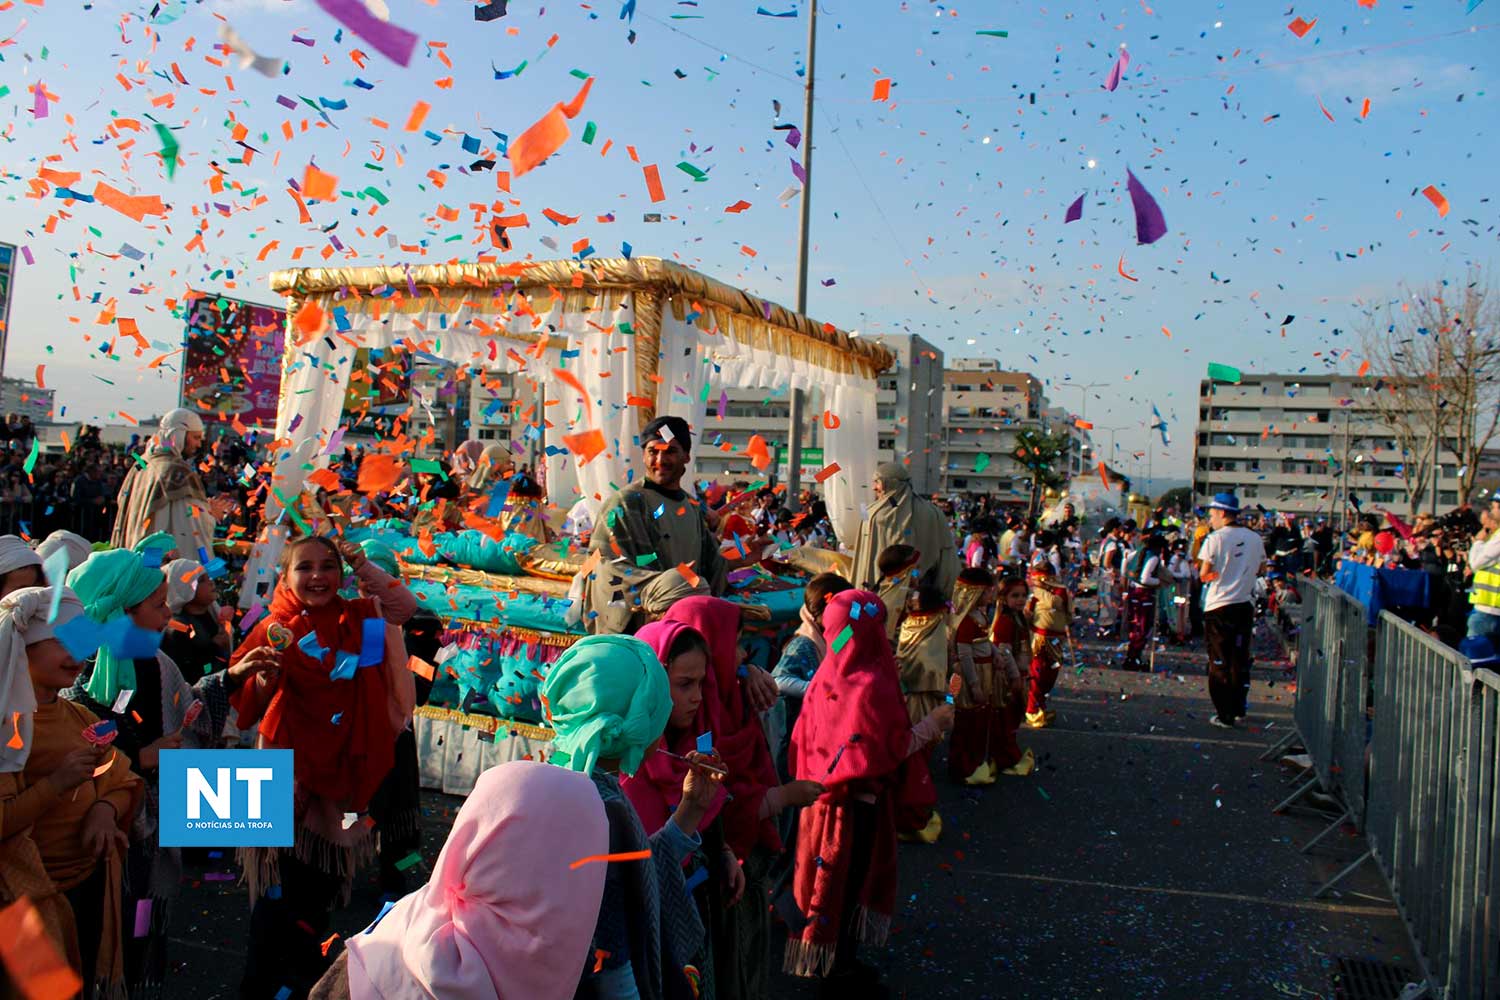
[(381, 555), (78, 548), (608, 698), (740, 738), (852, 736), (182, 582), (108, 583), (161, 541), (23, 622), (667, 588), (16, 554), (503, 917), (901, 517), (341, 730), (466, 458), (854, 702), (173, 430), (656, 788), (892, 476)]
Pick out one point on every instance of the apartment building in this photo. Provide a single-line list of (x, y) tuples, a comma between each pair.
[(1300, 443), (984, 408)]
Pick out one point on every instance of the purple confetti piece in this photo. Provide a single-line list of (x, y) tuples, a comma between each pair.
[(335, 241), (723, 403), (1075, 211), (393, 42), (335, 440), (793, 137), (1150, 224), (142, 917), (829, 282), (286, 102), (39, 100), (1113, 80), (765, 308), (26, 252), (303, 41), (799, 173)]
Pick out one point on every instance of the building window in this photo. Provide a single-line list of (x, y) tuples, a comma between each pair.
[(1447, 496), (960, 484), (1383, 496), (886, 444)]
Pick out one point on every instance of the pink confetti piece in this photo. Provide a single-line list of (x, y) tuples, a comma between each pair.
[(142, 917), (1118, 70), (39, 100)]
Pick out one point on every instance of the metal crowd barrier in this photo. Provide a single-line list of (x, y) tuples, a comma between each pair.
[(1433, 807), (1332, 707)]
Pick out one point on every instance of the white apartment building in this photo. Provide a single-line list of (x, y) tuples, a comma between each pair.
[(1300, 443), (984, 408), (23, 396)]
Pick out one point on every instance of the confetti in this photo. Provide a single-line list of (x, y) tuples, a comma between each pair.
[(606, 858)]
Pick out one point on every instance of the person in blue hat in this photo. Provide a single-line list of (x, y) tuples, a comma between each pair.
[(1229, 561)]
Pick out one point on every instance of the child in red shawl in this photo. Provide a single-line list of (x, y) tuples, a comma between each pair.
[(337, 696), (852, 736), (743, 941)]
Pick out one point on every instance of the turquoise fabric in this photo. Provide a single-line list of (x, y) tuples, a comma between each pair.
[(608, 699)]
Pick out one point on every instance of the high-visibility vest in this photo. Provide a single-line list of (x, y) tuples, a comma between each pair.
[(1486, 588)]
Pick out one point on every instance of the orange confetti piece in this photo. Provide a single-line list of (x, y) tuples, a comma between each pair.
[(1364, 110), (31, 959), (1364, 368), (1436, 197), (737, 207), (417, 117), (1326, 113), (309, 319), (318, 186), (1300, 28), (831, 420), (621, 856), (1126, 274), (757, 451), (546, 136), (1104, 477), (653, 183), (420, 667), (377, 473), (135, 207), (40, 369), (16, 742), (827, 472), (882, 90), (587, 445), (686, 569)]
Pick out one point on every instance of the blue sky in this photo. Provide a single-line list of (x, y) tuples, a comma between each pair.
[(938, 212)]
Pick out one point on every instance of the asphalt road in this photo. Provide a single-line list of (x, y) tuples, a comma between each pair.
[(1141, 859)]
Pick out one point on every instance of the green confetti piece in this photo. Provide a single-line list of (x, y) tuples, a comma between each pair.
[(169, 149), (645, 560), (377, 195), (1223, 373), (429, 466), (581, 74), (692, 171), (994, 34), (1043, 793), (981, 463), (4, 90), (412, 859), (842, 639), (30, 463), (589, 131), (291, 511)]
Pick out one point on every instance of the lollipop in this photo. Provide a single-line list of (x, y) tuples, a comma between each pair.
[(955, 685), (279, 636), (102, 733)]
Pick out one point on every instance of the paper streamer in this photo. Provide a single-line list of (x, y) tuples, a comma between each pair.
[(1075, 211), (391, 41)]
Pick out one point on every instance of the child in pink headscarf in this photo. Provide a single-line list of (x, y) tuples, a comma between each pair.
[(505, 914)]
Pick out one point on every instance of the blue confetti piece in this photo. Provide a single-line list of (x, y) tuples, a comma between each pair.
[(337, 718), (695, 880), (372, 642), (706, 742), (134, 642), (272, 893), (285, 993), (309, 645), (659, 511), (344, 666), (82, 636), (854, 611), (385, 907), (470, 143), (152, 558)]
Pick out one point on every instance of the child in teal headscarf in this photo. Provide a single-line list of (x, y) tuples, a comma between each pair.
[(608, 699)]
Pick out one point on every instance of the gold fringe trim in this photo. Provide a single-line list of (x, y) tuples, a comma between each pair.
[(499, 582), (485, 723), (666, 279), (262, 865), (807, 959)]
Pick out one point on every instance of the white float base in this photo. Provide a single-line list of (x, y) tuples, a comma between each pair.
[(454, 749)]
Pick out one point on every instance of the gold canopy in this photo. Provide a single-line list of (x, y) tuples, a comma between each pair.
[(656, 283)]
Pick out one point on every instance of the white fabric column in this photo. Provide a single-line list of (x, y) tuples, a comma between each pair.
[(686, 371), (852, 445)]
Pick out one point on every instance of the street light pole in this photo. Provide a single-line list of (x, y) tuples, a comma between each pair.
[(794, 426)]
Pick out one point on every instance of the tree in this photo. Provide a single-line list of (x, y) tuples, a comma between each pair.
[(1181, 498), (1044, 456), (1437, 356)]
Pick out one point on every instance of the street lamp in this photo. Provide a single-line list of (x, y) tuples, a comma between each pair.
[(1083, 412)]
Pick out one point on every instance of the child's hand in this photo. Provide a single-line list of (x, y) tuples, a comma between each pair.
[(943, 716), (699, 786), (734, 879)]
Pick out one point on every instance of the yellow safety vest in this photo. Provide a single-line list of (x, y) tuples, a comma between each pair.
[(1486, 588)]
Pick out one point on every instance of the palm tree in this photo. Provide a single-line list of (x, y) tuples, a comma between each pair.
[(1043, 455)]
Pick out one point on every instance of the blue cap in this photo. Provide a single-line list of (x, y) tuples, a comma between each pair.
[(1225, 502)]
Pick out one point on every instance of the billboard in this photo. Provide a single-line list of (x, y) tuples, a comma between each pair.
[(232, 359)]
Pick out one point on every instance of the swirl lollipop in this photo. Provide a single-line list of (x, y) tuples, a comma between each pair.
[(279, 636), (101, 733)]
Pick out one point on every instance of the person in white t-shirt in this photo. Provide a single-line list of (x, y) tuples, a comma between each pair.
[(1229, 562)]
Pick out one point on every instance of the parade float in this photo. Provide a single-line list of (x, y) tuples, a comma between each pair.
[(610, 344)]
